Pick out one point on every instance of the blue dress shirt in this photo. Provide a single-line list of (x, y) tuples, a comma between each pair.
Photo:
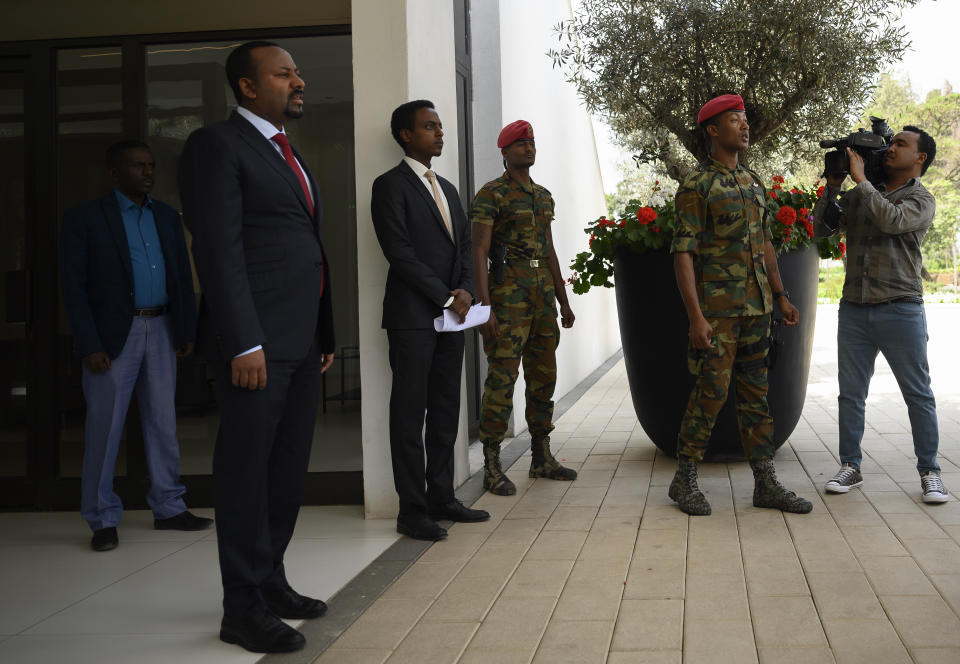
[(146, 255)]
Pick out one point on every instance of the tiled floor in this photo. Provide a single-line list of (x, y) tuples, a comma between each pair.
[(607, 569), (156, 598)]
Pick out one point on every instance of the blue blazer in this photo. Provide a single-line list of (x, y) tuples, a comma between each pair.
[(97, 276)]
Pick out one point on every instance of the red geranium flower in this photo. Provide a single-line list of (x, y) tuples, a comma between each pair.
[(623, 222), (787, 215), (804, 212), (772, 194), (794, 191), (592, 238), (842, 246), (646, 214), (777, 186), (778, 178), (820, 191), (655, 229)]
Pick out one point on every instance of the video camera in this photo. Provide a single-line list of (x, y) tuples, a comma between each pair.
[(871, 145)]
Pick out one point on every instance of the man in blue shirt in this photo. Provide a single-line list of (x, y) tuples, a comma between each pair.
[(128, 293)]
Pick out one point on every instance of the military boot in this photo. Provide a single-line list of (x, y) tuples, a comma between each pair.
[(685, 490), (768, 492), (545, 465), (494, 480)]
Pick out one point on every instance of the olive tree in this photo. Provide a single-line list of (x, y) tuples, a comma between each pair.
[(804, 68)]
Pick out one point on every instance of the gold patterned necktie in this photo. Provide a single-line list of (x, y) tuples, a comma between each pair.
[(436, 199)]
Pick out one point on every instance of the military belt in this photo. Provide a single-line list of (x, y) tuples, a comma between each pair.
[(532, 262)]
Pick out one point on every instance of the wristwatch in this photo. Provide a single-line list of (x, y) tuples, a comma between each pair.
[(784, 293)]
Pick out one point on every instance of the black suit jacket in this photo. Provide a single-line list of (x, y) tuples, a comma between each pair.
[(257, 249), (97, 276), (425, 263)]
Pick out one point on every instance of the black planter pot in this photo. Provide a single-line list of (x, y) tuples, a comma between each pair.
[(654, 332)]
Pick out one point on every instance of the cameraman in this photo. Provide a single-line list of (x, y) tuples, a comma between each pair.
[(882, 304)]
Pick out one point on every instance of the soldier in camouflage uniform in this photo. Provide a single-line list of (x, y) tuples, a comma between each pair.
[(726, 268), (511, 224)]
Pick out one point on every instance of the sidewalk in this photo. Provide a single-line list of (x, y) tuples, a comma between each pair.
[(607, 569)]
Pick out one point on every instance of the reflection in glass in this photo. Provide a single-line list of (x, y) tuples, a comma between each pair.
[(89, 120), (187, 89), (13, 281)]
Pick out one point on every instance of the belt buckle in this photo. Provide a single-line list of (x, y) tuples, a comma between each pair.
[(534, 263)]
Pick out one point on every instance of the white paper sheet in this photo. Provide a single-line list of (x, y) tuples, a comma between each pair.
[(450, 322)]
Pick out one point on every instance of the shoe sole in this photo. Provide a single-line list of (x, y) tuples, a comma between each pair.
[(409, 533), (443, 517), (227, 637), (105, 547), (934, 500), (838, 488), (299, 616)]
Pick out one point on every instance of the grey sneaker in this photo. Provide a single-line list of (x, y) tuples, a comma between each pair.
[(932, 485), (848, 477)]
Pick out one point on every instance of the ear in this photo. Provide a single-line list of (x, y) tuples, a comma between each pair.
[(248, 87), (713, 130), (406, 135), (921, 158)]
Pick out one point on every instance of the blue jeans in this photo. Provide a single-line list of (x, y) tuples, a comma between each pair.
[(149, 364), (899, 331)]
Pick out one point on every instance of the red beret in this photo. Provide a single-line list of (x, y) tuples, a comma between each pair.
[(514, 132), (718, 105)]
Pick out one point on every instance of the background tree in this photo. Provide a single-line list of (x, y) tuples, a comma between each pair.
[(803, 67)]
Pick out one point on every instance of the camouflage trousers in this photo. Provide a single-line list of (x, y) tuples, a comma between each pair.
[(741, 343), (526, 311)]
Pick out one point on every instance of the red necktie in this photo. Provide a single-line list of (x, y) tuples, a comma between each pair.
[(281, 140)]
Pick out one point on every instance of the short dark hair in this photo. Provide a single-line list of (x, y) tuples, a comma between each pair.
[(115, 152), (925, 143), (240, 65), (403, 118)]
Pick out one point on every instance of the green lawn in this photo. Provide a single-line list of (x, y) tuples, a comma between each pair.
[(831, 287)]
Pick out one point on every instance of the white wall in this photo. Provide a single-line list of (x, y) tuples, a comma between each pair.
[(567, 165), (402, 50)]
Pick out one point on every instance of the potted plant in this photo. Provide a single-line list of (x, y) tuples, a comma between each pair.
[(631, 253)]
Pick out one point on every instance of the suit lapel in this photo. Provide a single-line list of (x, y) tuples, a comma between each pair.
[(111, 213), (265, 149), (419, 187)]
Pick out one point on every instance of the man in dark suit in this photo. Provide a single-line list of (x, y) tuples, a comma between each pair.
[(128, 291), (425, 237), (266, 326)]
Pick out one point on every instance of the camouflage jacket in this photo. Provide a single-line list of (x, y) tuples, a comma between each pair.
[(722, 220), (520, 216)]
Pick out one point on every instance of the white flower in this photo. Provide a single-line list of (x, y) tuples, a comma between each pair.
[(657, 200)]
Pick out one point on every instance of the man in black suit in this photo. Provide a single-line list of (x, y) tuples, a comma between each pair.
[(266, 327), (128, 292), (425, 237)]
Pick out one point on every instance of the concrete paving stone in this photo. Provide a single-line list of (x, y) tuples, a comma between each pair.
[(946, 514), (660, 544), (786, 621), (655, 579), (896, 576), (879, 482), (826, 555), (584, 497), (646, 657), (466, 599), (935, 655), (434, 642), (636, 469), (649, 624), (923, 620), (571, 518), (557, 545), (353, 656), (601, 462), (873, 541), (910, 527), (538, 578), (597, 598), (854, 513), (844, 595), (499, 655), (766, 575), (718, 642), (384, 624), (594, 478), (935, 556), (456, 548), (534, 506), (494, 561), (514, 624), (613, 449), (580, 442), (819, 655), (865, 642), (423, 581), (579, 642), (949, 587), (715, 596)]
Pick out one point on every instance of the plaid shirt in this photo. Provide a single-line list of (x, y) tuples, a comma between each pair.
[(884, 233)]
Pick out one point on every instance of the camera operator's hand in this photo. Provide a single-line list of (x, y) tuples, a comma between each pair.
[(856, 167)]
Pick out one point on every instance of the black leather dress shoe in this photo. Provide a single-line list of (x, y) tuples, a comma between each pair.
[(421, 528), (104, 539), (457, 511), (183, 521), (288, 603), (260, 631)]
